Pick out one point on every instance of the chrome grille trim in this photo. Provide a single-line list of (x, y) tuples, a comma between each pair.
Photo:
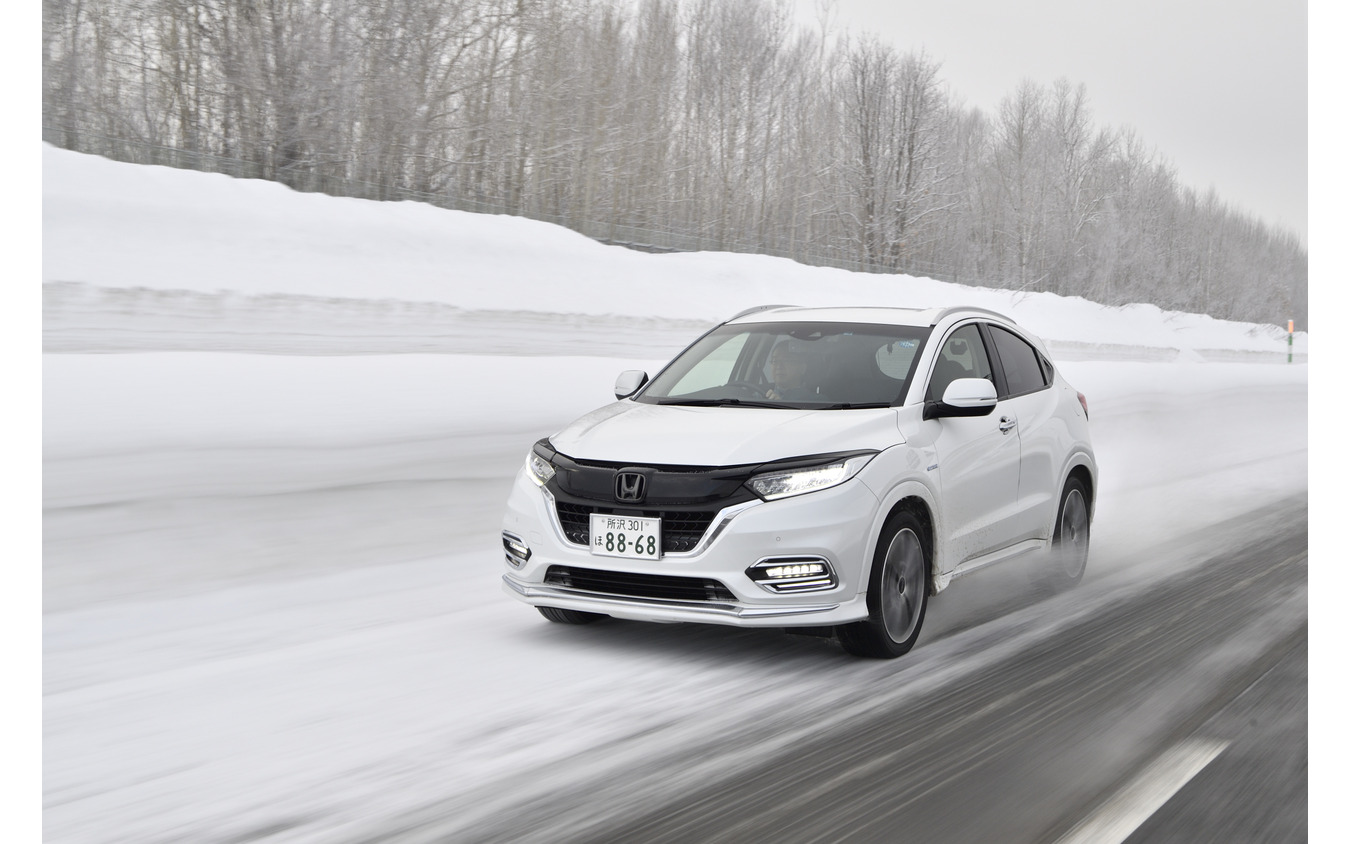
[(602, 603)]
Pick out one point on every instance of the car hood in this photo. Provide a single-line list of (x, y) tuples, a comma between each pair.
[(648, 434)]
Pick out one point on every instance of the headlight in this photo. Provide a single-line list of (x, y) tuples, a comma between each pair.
[(774, 485), (540, 469)]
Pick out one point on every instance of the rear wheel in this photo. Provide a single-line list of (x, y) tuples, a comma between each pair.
[(561, 616), (897, 596), (1069, 549)]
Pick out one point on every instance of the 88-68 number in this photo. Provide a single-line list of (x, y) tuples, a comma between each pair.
[(645, 545)]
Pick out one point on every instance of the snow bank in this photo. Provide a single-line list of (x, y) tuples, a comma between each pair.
[(122, 225), (102, 404)]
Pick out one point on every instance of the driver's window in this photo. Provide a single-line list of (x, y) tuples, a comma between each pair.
[(961, 356), (714, 370)]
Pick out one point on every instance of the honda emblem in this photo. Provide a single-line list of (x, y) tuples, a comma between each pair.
[(630, 486)]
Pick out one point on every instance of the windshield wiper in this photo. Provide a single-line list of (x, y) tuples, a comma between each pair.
[(725, 403), (862, 405)]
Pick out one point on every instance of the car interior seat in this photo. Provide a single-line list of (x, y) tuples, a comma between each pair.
[(945, 372)]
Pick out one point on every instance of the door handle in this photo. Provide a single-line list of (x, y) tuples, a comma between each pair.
[(1006, 424)]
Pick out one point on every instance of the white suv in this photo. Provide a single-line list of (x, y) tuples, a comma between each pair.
[(823, 469)]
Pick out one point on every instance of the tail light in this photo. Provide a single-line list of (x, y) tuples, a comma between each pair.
[(1082, 399)]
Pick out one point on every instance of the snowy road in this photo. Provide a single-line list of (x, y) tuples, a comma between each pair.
[(272, 607)]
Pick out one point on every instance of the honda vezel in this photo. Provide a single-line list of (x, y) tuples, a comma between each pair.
[(824, 469)]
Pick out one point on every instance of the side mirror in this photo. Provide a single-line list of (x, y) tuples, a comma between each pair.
[(964, 397), (629, 382)]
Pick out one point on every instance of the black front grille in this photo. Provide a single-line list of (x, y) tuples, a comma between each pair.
[(630, 585), (664, 487), (681, 530)]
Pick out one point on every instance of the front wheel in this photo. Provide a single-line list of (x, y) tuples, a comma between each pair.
[(897, 596)]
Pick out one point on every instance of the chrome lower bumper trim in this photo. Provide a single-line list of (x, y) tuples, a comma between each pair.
[(601, 600)]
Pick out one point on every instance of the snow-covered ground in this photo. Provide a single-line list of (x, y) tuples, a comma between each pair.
[(271, 599)]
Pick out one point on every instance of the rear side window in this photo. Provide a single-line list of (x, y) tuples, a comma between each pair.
[(1021, 364)]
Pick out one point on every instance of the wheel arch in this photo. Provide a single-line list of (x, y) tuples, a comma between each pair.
[(915, 498)]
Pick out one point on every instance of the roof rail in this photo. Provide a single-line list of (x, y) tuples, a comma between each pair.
[(946, 312), (757, 309)]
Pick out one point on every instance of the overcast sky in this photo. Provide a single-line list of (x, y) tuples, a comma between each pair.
[(1219, 87)]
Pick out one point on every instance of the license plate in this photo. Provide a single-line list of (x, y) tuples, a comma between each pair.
[(633, 537)]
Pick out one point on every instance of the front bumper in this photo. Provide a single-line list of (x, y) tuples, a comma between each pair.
[(831, 524)]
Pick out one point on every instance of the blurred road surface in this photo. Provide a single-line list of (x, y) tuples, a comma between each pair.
[(1020, 749)]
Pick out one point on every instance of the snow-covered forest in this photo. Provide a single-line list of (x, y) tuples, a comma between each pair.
[(671, 124)]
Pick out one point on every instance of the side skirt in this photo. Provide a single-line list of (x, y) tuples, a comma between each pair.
[(1000, 556)]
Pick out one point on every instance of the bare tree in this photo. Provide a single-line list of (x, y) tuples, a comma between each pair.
[(696, 123)]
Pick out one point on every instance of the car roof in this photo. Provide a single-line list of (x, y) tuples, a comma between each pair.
[(864, 314)]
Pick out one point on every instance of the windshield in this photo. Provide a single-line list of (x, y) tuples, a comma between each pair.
[(792, 364)]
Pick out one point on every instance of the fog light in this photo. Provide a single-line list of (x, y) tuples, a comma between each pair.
[(517, 552), (793, 574)]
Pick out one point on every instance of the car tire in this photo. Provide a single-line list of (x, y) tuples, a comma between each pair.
[(1069, 549), (561, 616), (897, 594)]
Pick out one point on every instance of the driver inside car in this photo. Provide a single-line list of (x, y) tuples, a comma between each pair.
[(787, 374)]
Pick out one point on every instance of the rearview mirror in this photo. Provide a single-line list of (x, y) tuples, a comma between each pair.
[(629, 382), (964, 397)]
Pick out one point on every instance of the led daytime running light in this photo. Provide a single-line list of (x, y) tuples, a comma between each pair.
[(795, 570)]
